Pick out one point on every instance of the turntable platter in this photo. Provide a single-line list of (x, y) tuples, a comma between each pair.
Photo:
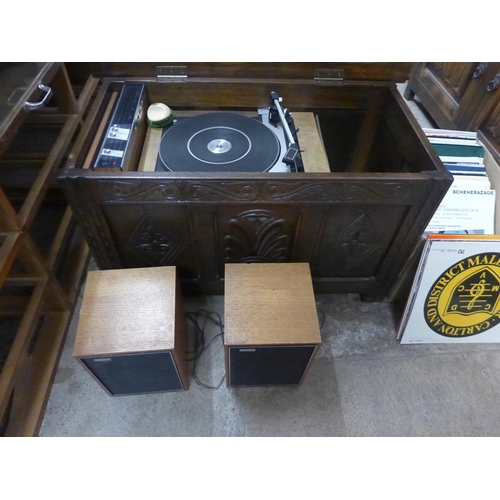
[(218, 142)]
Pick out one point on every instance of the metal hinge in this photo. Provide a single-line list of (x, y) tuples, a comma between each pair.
[(329, 76), (169, 73)]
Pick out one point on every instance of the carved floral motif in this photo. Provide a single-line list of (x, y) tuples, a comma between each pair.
[(256, 236)]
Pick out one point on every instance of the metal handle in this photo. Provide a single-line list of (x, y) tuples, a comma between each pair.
[(29, 106), (494, 84), (480, 70)]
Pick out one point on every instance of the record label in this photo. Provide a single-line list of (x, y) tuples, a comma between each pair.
[(465, 298)]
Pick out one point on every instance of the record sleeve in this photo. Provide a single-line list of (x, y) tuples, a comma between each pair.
[(455, 296)]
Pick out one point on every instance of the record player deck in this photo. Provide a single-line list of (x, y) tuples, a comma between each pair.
[(225, 142), (230, 142), (206, 141)]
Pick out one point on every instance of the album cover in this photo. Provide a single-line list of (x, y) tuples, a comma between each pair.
[(455, 296)]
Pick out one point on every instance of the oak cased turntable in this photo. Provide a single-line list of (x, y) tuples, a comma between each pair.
[(368, 184)]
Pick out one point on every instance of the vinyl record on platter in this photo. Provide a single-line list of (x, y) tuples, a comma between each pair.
[(219, 142)]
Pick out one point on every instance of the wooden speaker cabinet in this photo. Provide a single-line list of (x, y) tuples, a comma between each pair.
[(271, 323), (131, 331)]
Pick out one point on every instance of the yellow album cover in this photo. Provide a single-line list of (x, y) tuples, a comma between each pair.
[(456, 293)]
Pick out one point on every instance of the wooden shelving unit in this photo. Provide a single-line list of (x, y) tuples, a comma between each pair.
[(43, 255)]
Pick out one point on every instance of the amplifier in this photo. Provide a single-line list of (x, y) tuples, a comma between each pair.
[(125, 131), (271, 323), (131, 333)]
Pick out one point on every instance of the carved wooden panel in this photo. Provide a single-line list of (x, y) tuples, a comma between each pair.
[(456, 75), (356, 233), (149, 236), (256, 236), (493, 123), (307, 188), (354, 240), (154, 243)]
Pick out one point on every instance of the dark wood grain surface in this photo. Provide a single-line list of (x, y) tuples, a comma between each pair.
[(355, 229)]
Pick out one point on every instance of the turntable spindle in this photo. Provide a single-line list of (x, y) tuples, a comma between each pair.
[(218, 146)]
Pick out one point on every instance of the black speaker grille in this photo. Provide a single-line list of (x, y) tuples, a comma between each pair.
[(136, 373), (273, 365)]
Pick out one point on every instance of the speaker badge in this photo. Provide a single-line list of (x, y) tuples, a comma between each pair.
[(465, 299)]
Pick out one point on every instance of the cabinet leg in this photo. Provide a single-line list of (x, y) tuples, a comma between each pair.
[(409, 95)]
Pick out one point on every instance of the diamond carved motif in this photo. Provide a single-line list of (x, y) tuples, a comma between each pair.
[(154, 243), (356, 241)]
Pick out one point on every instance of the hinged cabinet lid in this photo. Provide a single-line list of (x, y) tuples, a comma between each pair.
[(353, 71)]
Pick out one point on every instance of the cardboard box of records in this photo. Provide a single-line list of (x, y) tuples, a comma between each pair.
[(470, 207)]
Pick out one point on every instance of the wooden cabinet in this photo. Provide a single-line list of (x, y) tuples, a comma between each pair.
[(43, 253), (355, 224), (461, 95)]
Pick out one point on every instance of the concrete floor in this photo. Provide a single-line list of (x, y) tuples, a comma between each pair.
[(362, 383)]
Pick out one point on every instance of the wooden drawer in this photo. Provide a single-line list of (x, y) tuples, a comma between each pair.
[(355, 223)]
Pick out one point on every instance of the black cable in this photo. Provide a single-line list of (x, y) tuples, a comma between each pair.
[(199, 320), (200, 330)]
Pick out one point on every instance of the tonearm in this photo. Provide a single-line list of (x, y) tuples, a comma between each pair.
[(275, 114)]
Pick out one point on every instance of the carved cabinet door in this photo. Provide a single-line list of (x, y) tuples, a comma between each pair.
[(489, 131), (451, 91)]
